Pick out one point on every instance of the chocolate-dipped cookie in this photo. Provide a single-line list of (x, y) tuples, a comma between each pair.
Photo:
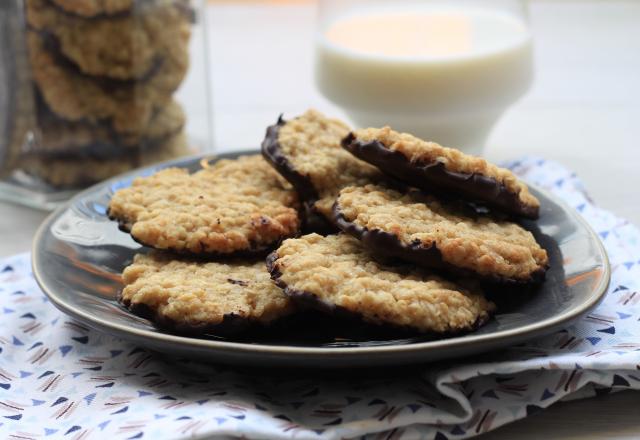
[(76, 170), (132, 46), (431, 233), (335, 274), (233, 207), (128, 107), (306, 151), (57, 138), (198, 297), (431, 167)]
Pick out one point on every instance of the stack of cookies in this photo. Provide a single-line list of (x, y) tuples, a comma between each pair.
[(105, 72), (418, 236)]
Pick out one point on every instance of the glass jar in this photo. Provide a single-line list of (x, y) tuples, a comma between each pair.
[(443, 70), (93, 88)]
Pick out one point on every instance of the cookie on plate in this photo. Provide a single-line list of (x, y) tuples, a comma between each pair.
[(75, 171), (306, 151), (133, 46), (239, 206), (93, 8), (431, 233), (336, 274), (429, 166), (198, 297)]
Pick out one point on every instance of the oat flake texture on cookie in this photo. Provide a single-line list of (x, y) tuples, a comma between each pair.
[(133, 46), (426, 231), (239, 206), (306, 151), (74, 96), (336, 272), (189, 296)]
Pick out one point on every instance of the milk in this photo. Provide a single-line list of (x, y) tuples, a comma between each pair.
[(442, 74)]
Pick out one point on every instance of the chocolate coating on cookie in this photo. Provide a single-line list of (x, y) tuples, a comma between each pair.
[(94, 8), (272, 152), (304, 298), (231, 324), (441, 235), (435, 175)]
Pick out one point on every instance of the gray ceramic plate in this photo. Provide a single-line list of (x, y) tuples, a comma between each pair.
[(78, 255)]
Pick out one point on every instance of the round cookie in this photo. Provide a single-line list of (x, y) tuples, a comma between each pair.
[(306, 151), (76, 172), (94, 8), (335, 274), (239, 206), (127, 107), (428, 232), (429, 166), (59, 139), (198, 297), (75, 97), (151, 40)]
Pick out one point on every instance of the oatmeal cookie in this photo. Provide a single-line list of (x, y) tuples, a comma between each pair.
[(334, 273), (239, 206), (198, 297), (59, 138), (94, 8), (151, 41), (431, 233), (72, 171), (429, 166), (306, 151), (128, 108)]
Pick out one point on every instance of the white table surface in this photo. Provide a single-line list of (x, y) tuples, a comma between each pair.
[(583, 111)]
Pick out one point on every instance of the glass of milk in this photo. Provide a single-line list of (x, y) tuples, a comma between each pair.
[(444, 71)]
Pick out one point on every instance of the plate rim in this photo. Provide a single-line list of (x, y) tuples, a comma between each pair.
[(161, 338)]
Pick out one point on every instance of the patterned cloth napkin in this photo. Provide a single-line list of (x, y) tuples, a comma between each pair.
[(59, 379)]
